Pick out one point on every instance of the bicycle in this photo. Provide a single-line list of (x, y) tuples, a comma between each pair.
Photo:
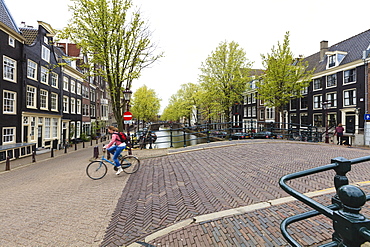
[(97, 169)]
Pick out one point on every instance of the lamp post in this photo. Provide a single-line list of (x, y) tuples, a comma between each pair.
[(127, 97), (325, 105)]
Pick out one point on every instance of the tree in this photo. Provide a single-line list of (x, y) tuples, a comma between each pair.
[(182, 104), (285, 77), (145, 104), (224, 76), (117, 43)]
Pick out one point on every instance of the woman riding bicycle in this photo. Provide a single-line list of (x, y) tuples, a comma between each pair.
[(115, 149)]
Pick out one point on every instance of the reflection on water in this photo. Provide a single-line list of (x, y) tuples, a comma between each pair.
[(164, 139)]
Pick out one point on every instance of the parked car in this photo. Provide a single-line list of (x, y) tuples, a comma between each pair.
[(240, 135), (264, 135), (219, 134)]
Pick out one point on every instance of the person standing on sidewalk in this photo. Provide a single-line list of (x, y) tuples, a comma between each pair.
[(339, 132), (115, 149)]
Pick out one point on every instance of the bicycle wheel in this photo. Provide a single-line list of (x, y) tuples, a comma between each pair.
[(96, 170), (130, 164)]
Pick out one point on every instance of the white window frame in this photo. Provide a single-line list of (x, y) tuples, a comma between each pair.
[(31, 97), (9, 103), (44, 99), (44, 78), (47, 128), (332, 99), (345, 77), (314, 84), (55, 127), (9, 69), (73, 105), (349, 100), (78, 106), (79, 88), (54, 79), (9, 135), (11, 41), (333, 80), (65, 83), (54, 101), (45, 53), (31, 70), (65, 104), (317, 101), (73, 86)]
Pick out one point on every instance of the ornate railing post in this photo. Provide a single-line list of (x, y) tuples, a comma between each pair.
[(340, 178)]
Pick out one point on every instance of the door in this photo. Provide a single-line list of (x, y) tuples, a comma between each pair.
[(39, 136), (25, 134), (350, 124)]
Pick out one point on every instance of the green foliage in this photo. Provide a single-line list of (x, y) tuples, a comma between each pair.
[(145, 104), (223, 79), (285, 77), (116, 41)]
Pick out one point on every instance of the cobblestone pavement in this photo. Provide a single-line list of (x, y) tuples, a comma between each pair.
[(53, 203), (183, 186)]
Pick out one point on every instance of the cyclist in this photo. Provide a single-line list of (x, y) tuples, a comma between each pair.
[(115, 149)]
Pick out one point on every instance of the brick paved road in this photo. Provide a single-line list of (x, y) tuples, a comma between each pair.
[(185, 185), (53, 203)]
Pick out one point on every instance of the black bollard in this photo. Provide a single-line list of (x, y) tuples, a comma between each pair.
[(97, 140), (96, 152), (83, 144), (90, 141), (76, 146), (34, 156), (7, 165), (65, 148), (52, 152)]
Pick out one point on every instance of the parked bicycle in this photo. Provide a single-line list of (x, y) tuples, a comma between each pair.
[(97, 169)]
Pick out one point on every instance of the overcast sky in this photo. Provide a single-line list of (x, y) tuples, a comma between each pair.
[(188, 31)]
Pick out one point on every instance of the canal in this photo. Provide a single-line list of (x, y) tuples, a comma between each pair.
[(164, 139)]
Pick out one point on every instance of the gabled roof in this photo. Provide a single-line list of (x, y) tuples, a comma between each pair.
[(353, 46), (6, 17)]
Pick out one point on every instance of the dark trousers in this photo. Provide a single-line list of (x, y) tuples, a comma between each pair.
[(340, 138)]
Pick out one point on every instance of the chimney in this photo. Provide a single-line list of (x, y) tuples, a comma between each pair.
[(323, 49)]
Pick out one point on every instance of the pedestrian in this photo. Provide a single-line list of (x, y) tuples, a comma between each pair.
[(115, 149), (339, 132)]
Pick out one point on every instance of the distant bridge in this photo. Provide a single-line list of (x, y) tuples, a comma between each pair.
[(156, 126)]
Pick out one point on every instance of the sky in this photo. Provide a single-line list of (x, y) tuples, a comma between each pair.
[(187, 32)]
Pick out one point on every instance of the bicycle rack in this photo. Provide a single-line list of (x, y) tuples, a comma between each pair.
[(350, 227)]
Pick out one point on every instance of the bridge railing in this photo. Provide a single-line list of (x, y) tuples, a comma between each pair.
[(208, 132), (350, 227)]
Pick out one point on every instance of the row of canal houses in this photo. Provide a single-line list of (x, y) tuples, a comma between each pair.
[(46, 99), (340, 82)]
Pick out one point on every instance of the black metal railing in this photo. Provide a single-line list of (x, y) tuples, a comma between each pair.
[(227, 131), (350, 227)]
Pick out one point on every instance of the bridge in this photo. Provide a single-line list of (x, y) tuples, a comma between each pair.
[(156, 126)]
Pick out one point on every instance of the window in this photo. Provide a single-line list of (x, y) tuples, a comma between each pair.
[(293, 104), (73, 105), (78, 106), (245, 111), (31, 97), (262, 114), (46, 41), (304, 102), (73, 86), (331, 80), (349, 76), (9, 102), (55, 127), (304, 90), (47, 127), (317, 120), (65, 104), (254, 111), (331, 61), (54, 80), (270, 113), (249, 111), (293, 118), (11, 41), (332, 99), (43, 99), (92, 110), (78, 129), (32, 70), (332, 120), (44, 75), (9, 69), (92, 95), (317, 84), (253, 95), (85, 110), (85, 92), (45, 54), (317, 99), (8, 135), (65, 83), (54, 102), (78, 88), (304, 119), (349, 97)]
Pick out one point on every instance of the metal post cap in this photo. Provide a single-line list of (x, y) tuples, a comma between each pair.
[(352, 197)]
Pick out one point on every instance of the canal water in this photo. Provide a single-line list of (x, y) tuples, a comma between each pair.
[(164, 139)]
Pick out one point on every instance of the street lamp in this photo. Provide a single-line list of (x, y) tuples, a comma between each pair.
[(127, 97), (325, 106)]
